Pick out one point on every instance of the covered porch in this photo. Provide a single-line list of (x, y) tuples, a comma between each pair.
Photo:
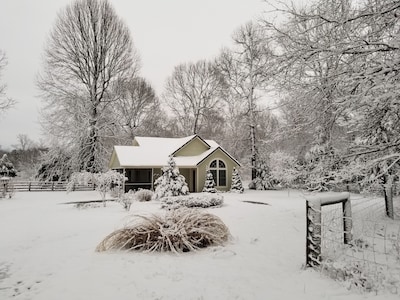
[(143, 178)]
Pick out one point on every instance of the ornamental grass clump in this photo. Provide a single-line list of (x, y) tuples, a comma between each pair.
[(179, 230)]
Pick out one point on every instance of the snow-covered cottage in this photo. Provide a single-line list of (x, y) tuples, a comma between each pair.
[(142, 162)]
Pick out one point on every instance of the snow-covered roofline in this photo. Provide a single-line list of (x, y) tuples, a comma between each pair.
[(154, 152)]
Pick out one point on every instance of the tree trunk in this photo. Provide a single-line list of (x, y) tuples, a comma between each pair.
[(90, 147), (196, 121), (252, 134), (253, 152)]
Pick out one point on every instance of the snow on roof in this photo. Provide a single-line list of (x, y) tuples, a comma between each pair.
[(189, 161), (170, 144), (154, 152)]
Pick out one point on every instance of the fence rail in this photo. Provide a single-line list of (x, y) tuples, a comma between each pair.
[(39, 186)]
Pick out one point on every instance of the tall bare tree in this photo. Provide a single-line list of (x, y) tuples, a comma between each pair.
[(192, 91), (5, 102), (311, 72), (88, 50), (341, 57), (247, 70), (136, 105)]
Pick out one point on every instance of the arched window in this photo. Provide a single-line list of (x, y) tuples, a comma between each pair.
[(218, 169)]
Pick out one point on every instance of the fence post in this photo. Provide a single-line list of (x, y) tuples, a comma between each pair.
[(29, 187), (313, 236), (347, 221), (388, 192), (314, 225)]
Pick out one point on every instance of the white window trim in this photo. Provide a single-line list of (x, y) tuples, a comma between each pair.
[(217, 168)]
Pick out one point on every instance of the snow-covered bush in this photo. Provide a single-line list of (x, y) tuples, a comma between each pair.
[(6, 167), (7, 189), (55, 165), (236, 185), (321, 168), (143, 195), (284, 168), (126, 199), (209, 184), (179, 230), (103, 182), (362, 276), (7, 171), (116, 191), (203, 200), (171, 182), (264, 179)]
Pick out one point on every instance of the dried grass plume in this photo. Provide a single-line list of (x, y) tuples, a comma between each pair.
[(179, 230)]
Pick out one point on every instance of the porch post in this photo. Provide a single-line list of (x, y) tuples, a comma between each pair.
[(197, 179), (152, 179), (123, 183)]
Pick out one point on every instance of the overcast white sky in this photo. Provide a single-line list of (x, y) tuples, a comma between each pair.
[(165, 33)]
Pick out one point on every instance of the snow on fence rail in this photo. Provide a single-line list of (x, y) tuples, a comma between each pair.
[(41, 186), (370, 260)]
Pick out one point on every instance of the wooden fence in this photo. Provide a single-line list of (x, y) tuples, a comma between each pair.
[(39, 186)]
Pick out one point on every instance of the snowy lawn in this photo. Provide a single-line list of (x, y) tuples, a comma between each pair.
[(47, 252)]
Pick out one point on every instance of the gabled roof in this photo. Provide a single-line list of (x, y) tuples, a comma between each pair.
[(154, 152), (192, 138)]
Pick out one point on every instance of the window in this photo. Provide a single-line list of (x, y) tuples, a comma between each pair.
[(218, 169), (139, 175), (138, 179)]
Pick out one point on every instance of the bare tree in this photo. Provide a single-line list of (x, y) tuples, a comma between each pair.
[(26, 156), (341, 59), (24, 142), (5, 102), (191, 92), (311, 74), (88, 50), (136, 105), (247, 70)]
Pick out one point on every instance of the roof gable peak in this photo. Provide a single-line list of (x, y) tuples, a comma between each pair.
[(190, 140)]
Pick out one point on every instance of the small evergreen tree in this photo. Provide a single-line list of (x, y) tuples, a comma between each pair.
[(171, 182), (237, 185), (264, 179), (209, 184), (6, 167)]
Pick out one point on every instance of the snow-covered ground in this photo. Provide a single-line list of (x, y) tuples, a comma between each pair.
[(47, 252)]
